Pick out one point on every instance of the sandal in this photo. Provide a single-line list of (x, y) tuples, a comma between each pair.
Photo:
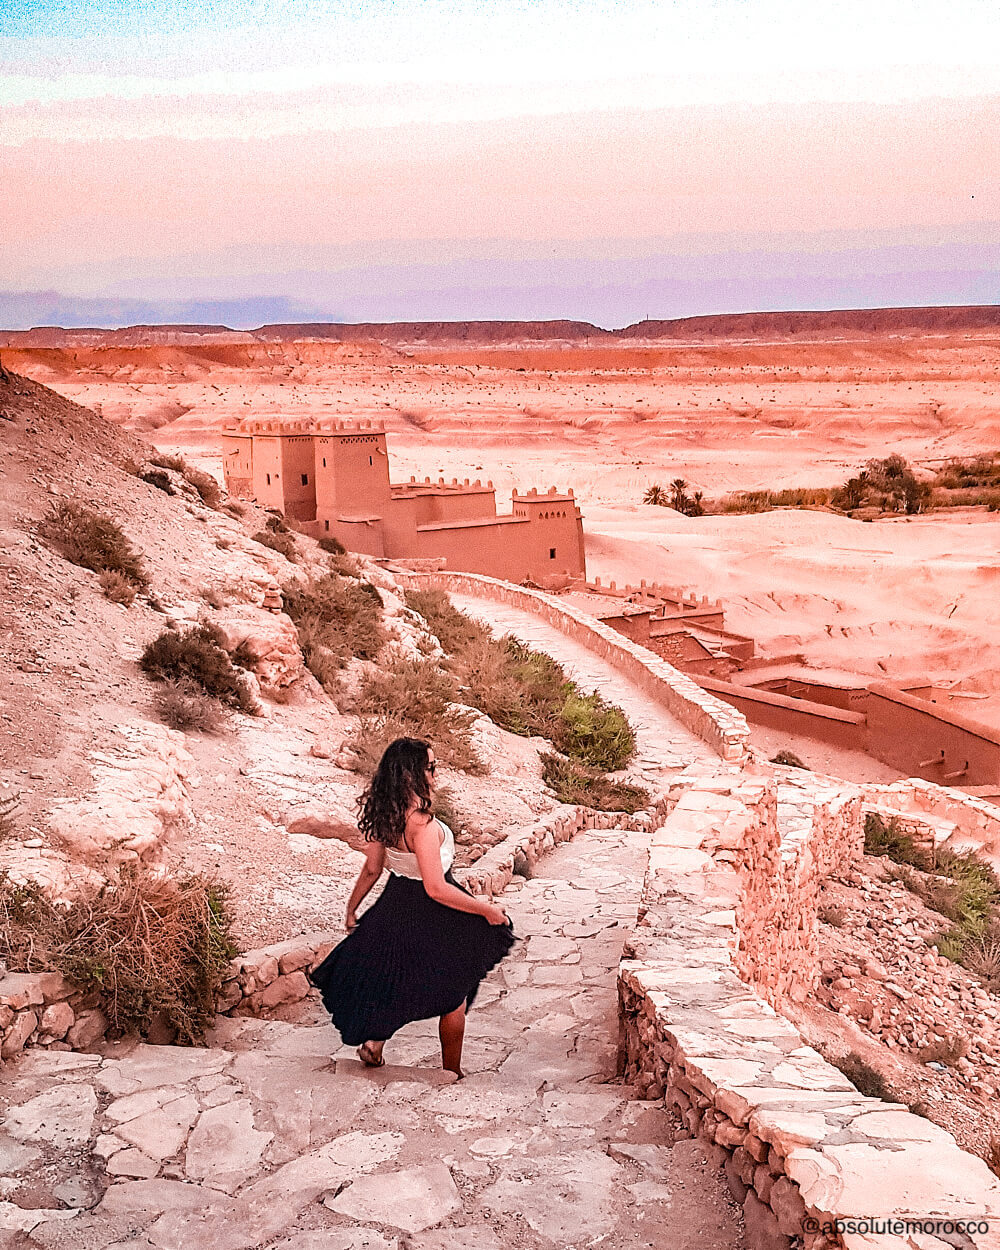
[(366, 1055)]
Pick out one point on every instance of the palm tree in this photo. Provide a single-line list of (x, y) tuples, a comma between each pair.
[(678, 496), (655, 494)]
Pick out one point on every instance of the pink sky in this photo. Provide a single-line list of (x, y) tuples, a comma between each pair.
[(125, 164)]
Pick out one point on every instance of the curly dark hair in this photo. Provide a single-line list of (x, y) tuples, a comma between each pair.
[(400, 778)]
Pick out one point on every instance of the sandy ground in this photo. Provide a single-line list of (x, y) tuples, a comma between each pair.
[(903, 598)]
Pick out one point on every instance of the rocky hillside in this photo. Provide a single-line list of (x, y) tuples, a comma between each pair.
[(98, 778)]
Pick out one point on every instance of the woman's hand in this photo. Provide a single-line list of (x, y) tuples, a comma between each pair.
[(351, 922), (495, 915)]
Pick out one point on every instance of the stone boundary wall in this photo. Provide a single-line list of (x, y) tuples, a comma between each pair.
[(797, 1141), (43, 1009), (714, 721), (976, 821)]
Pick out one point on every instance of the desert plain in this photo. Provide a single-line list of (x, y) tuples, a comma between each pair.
[(732, 405)]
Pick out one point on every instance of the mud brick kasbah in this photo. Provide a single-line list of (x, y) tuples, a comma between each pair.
[(331, 479)]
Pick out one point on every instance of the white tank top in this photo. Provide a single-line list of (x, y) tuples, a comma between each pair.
[(404, 863)]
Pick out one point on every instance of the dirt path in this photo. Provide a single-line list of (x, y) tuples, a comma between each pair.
[(262, 1141)]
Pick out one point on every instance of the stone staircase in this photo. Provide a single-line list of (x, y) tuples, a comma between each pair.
[(263, 1139)]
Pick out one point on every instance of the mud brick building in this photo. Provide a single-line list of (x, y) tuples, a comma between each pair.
[(331, 479)]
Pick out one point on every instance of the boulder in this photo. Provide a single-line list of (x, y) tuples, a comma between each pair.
[(270, 637)]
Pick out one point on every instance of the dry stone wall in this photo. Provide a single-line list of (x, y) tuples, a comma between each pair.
[(801, 1147), (43, 1009), (963, 821), (715, 722)]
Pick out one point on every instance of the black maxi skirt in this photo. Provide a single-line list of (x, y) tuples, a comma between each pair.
[(410, 958)]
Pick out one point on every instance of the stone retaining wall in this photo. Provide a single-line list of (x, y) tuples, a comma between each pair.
[(976, 820), (797, 1141), (43, 1009), (715, 722)]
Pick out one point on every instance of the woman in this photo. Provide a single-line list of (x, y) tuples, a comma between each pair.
[(423, 947)]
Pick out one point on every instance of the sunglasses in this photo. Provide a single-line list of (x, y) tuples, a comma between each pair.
[(432, 767)]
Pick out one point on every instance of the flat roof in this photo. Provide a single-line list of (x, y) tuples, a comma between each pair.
[(474, 523)]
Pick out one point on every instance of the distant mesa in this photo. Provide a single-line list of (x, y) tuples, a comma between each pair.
[(940, 319)]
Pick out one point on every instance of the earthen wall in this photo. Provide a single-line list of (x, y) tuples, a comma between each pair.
[(929, 741)]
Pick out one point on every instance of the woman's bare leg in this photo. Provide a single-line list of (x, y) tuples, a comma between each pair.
[(451, 1030)]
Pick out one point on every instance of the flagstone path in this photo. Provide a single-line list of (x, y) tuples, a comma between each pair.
[(261, 1140), (664, 745)]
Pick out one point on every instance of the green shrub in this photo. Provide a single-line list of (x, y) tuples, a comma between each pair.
[(884, 837), (594, 732), (337, 618), (574, 783), (420, 697), (198, 655), (524, 691), (278, 540), (147, 947), (93, 541)]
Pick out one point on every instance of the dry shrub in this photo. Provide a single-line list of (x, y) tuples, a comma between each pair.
[(197, 654), (278, 540), (93, 541), (371, 736), (337, 618), (574, 783), (453, 629), (420, 697), (244, 657), (183, 705), (954, 1047), (204, 483), (332, 545), (117, 588), (788, 759), (9, 804), (147, 946), (234, 508), (865, 1079)]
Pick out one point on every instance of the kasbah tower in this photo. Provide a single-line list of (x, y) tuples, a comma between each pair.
[(331, 479)]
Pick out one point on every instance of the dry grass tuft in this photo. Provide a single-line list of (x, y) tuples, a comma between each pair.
[(117, 588), (183, 705), (9, 804), (832, 915), (93, 541), (417, 698), (278, 540), (865, 1079), (146, 946), (949, 1051)]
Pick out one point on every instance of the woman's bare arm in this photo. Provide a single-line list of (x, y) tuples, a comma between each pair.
[(370, 872), (422, 833)]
